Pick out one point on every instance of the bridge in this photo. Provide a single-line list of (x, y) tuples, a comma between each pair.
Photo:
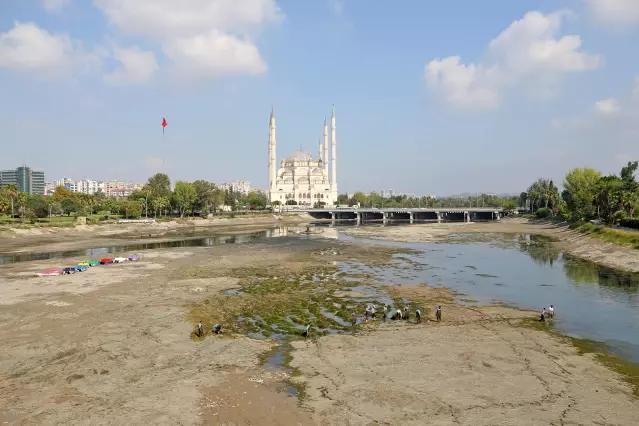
[(448, 214)]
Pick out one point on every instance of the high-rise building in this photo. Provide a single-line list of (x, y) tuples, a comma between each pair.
[(27, 180)]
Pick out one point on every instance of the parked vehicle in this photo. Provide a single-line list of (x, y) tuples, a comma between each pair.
[(134, 257), (93, 262), (68, 270), (106, 261), (85, 263), (120, 259), (50, 272), (81, 268)]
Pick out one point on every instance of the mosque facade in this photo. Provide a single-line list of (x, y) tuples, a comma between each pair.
[(301, 178)]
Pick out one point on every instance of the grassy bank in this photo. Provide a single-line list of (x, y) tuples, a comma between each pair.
[(610, 235)]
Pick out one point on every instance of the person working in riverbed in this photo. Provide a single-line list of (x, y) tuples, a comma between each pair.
[(217, 329), (551, 312), (543, 315), (438, 313), (200, 329)]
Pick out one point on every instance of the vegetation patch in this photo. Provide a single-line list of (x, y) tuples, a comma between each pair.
[(610, 235)]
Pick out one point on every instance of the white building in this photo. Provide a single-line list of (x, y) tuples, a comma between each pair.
[(241, 186), (301, 177), (88, 186)]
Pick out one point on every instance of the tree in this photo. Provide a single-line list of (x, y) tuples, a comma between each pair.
[(68, 206), (204, 195), (291, 202), (12, 192), (159, 185), (61, 193), (184, 196), (22, 204), (257, 199), (580, 190), (608, 198), (342, 199), (132, 209), (160, 204), (218, 198)]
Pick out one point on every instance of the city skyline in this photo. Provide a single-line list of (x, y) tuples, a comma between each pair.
[(439, 98)]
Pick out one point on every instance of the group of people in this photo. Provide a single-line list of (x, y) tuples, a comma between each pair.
[(217, 329), (547, 313), (398, 314)]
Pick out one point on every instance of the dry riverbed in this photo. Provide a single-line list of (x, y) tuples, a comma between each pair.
[(115, 345)]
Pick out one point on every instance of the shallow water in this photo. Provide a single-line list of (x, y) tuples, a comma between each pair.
[(527, 272), (190, 241)]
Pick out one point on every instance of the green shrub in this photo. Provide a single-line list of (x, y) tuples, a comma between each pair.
[(543, 213)]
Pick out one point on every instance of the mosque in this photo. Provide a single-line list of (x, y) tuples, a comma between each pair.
[(301, 177)]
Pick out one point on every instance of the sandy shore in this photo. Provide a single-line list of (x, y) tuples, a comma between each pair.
[(579, 245), (112, 346)]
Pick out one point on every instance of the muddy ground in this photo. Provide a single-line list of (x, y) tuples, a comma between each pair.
[(114, 345), (608, 254)]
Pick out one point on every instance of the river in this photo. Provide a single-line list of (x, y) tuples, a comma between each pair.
[(522, 271)]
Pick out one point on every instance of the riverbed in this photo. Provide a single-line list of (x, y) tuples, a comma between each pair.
[(115, 343)]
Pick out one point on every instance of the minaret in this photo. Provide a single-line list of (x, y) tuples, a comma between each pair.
[(325, 158), (272, 154), (333, 156), (320, 155)]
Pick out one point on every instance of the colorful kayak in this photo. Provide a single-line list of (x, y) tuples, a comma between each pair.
[(50, 272)]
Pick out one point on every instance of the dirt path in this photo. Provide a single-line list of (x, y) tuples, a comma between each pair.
[(603, 253)]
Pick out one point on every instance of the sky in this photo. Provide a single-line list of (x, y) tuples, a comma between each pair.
[(431, 97)]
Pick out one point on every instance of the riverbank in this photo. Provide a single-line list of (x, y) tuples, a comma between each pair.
[(620, 257), (23, 240), (114, 345)]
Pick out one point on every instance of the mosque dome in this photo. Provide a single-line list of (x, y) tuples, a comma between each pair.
[(300, 156)]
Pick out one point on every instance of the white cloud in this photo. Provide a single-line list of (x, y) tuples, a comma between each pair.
[(463, 86), (206, 37), (607, 107), (27, 47), (615, 12), (215, 54), (136, 66), (55, 5), (529, 51)]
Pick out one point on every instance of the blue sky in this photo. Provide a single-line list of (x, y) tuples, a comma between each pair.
[(539, 87)]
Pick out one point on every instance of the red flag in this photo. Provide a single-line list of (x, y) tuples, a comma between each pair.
[(164, 124)]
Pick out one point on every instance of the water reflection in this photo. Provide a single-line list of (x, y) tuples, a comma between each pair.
[(526, 271), (579, 271)]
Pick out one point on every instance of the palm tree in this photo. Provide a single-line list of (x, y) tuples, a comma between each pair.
[(12, 192)]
